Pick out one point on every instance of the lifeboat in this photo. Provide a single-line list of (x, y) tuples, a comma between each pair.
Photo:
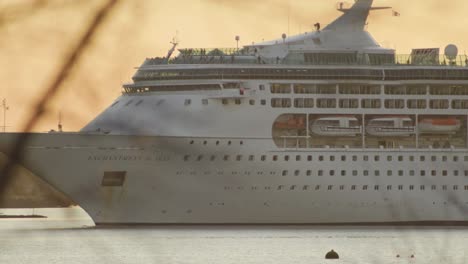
[(336, 126), (391, 127), (291, 122), (439, 126)]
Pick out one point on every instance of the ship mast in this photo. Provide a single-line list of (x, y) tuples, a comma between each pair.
[(5, 109)]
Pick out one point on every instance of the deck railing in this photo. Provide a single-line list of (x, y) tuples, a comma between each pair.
[(242, 56)]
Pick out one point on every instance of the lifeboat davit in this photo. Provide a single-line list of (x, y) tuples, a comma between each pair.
[(439, 126), (391, 127), (336, 126)]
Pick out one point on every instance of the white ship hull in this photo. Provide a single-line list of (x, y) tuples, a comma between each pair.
[(157, 189)]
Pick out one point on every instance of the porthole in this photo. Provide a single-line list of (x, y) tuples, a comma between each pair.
[(298, 158), (286, 158), (285, 173), (309, 158), (308, 173), (296, 173)]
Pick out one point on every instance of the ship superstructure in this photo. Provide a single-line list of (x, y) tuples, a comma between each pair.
[(323, 127)]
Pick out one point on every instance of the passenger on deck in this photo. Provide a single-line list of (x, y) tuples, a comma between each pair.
[(317, 26)]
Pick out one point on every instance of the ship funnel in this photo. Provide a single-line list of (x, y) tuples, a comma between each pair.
[(353, 18)]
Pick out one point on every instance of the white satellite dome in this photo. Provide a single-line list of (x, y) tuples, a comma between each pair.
[(451, 52)]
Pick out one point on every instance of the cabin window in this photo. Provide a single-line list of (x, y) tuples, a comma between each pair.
[(309, 173), (251, 158), (263, 158), (237, 101), (285, 173), (355, 158), (400, 173), (205, 101), (304, 102), (317, 187), (200, 157), (377, 173), (422, 173), (275, 157), (226, 157), (376, 158), (239, 157), (252, 102), (261, 87), (186, 157), (460, 104), (455, 173), (416, 104), (330, 187), (365, 173), (332, 173), (355, 172), (411, 158), (359, 89), (326, 103), (349, 103), (370, 103), (455, 158), (280, 88), (434, 173), (411, 173), (305, 89), (400, 187), (400, 158), (411, 187), (309, 158), (395, 103), (286, 158), (298, 157), (188, 101), (341, 187), (444, 173), (343, 173), (343, 158), (332, 158), (444, 187), (389, 158), (444, 158), (389, 187), (353, 187), (280, 102), (439, 104), (296, 173), (320, 173), (455, 187), (433, 158), (113, 178), (389, 173), (225, 101), (422, 158), (365, 187), (395, 89), (263, 102), (416, 89), (213, 157)]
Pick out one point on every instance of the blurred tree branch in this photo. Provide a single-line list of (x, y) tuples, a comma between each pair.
[(15, 154)]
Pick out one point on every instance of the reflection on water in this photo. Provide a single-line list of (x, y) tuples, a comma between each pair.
[(47, 241)]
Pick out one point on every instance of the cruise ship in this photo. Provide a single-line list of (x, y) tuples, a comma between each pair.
[(325, 127)]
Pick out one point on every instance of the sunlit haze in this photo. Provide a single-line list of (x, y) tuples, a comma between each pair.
[(35, 41)]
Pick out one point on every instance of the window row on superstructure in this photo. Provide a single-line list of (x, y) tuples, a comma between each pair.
[(369, 103), (369, 89), (364, 187), (329, 158)]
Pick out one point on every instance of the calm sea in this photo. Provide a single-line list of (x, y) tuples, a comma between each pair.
[(66, 241)]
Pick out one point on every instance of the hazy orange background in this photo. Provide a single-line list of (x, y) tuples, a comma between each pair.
[(35, 39)]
